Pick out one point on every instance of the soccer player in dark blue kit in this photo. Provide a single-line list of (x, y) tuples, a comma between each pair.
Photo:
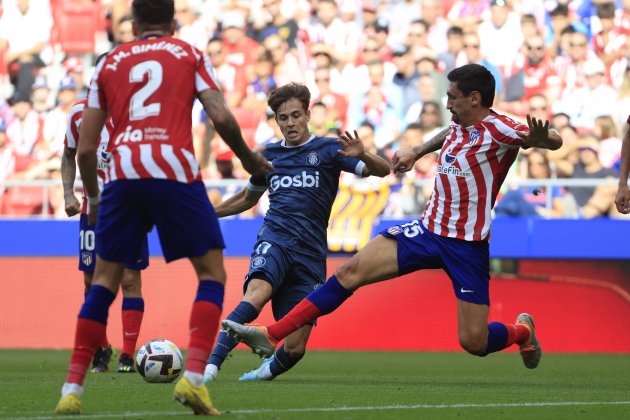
[(289, 257)]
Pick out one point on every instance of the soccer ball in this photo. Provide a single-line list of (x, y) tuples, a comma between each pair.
[(159, 361)]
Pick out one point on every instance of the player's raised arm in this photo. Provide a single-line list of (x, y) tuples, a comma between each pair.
[(227, 127), (540, 135), (404, 160), (353, 147), (238, 203)]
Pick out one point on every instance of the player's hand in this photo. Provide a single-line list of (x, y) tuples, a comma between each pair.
[(404, 160), (72, 205), (538, 133), (622, 200), (256, 164), (352, 146)]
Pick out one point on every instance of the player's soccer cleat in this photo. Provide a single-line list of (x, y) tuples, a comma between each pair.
[(210, 373), (530, 349), (259, 373), (100, 362), (69, 404), (125, 364), (197, 398), (254, 335)]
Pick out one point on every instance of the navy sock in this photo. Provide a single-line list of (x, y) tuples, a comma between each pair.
[(497, 337), (282, 362), (97, 303), (330, 296), (243, 313), (133, 304)]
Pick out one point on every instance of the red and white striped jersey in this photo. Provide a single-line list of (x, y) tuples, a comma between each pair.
[(102, 155), (148, 87), (473, 164)]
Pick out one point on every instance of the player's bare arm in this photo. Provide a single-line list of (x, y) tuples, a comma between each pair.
[(404, 160), (353, 147), (91, 126), (227, 127), (68, 175), (540, 135), (622, 199), (238, 203)]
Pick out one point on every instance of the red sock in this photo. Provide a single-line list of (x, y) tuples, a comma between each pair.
[(518, 334), (303, 313), (131, 321), (204, 324), (89, 334)]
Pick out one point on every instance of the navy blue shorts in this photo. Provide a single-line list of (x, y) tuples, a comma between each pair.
[(292, 275), (467, 263), (87, 249), (186, 222)]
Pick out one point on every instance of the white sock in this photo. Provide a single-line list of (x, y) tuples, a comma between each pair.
[(195, 378), (212, 369), (266, 372), (69, 388)]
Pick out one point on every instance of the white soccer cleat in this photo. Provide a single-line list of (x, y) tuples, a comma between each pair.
[(254, 335)]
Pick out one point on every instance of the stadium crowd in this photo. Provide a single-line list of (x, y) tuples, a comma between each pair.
[(375, 66)]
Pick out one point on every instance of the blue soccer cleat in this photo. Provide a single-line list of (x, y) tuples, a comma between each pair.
[(262, 373)]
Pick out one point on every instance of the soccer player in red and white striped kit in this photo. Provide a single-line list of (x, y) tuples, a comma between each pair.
[(148, 87), (477, 150)]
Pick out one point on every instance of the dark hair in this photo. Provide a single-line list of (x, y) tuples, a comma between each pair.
[(287, 92), (414, 126), (454, 30), (474, 78), (366, 123), (528, 18), (606, 10), (214, 39), (148, 13), (560, 10)]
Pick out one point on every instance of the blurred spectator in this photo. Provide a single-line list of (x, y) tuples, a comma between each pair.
[(405, 77), (588, 102), (400, 15), (430, 87), (74, 68), (327, 27), (263, 83), (7, 158), (571, 68), (286, 67), (271, 19), (529, 26), (25, 28), (532, 200), (372, 70), (232, 78), (455, 47), (609, 42), (325, 56), (378, 32), (336, 104), (24, 131), (472, 55), (592, 201), (538, 107), (320, 123), (499, 35), (55, 122), (609, 142), (189, 27), (565, 158), (40, 96), (558, 22), (467, 14), (239, 49), (438, 25), (431, 119), (268, 131)]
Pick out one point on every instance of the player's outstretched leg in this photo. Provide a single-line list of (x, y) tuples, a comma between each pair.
[(254, 335), (245, 312), (530, 349)]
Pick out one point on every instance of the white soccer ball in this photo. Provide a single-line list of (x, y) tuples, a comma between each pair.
[(159, 361)]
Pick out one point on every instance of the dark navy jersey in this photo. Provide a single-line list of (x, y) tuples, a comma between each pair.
[(302, 189)]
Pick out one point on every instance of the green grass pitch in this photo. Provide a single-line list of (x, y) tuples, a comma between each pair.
[(344, 385)]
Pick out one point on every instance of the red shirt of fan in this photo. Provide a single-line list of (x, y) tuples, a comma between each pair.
[(71, 141), (473, 164), (148, 87)]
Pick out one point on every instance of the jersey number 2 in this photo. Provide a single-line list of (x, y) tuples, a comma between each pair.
[(138, 109)]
